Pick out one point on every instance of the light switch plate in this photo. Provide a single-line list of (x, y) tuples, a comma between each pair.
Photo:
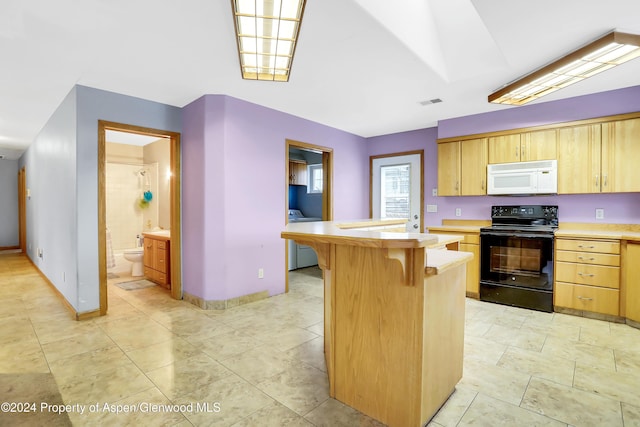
[(599, 213), (432, 208)]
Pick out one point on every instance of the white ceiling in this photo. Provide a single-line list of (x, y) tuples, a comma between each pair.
[(362, 66)]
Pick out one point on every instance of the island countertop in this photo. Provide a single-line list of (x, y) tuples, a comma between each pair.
[(369, 233)]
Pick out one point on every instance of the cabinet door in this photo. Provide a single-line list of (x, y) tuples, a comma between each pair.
[(473, 269), (297, 173), (473, 170), (579, 159), (632, 281), (620, 154), (449, 169), (539, 145), (504, 149), (149, 253)]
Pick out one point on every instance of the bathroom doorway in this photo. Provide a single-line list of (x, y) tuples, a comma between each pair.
[(139, 191), (308, 190)]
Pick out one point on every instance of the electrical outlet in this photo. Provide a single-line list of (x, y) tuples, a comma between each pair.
[(458, 212), (432, 208), (599, 213), (434, 192), (261, 273)]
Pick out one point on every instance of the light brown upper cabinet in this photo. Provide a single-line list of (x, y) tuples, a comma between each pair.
[(579, 159), (620, 154), (297, 173), (599, 158), (462, 168), (523, 147)]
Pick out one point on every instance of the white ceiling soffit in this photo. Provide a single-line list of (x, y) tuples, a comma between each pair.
[(127, 138)]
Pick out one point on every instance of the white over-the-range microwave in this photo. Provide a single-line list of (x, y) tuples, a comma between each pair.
[(523, 178)]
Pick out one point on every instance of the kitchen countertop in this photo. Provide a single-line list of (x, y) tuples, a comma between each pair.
[(455, 228), (599, 234)]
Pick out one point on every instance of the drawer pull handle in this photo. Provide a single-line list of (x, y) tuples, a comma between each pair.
[(586, 274), (585, 298), (588, 259), (586, 247)]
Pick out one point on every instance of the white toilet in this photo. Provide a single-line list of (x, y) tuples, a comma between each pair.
[(136, 256)]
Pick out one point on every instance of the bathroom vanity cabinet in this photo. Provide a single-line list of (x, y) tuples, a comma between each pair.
[(156, 258)]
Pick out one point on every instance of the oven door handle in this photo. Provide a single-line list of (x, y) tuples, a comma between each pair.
[(518, 235)]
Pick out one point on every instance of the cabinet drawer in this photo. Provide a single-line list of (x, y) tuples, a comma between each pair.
[(594, 275), (161, 244), (588, 258), (150, 274), (473, 239), (602, 246), (588, 298)]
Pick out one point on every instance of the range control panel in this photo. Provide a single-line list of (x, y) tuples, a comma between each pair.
[(525, 211)]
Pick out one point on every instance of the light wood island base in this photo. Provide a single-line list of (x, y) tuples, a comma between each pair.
[(394, 319)]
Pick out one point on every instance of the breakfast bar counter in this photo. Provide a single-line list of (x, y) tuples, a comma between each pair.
[(393, 317)]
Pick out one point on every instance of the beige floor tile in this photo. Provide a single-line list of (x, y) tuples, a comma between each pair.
[(105, 386), (630, 415), (332, 413), (228, 345), (273, 415), (76, 344), (24, 356), (570, 405), (483, 349), (61, 330), (184, 376), (310, 353), (486, 411), (517, 337), (89, 363), (141, 336), (164, 353), (259, 364), (582, 353), (538, 365), (553, 329), (234, 397), (627, 361), (622, 386), (454, 408), (622, 339), (287, 338), (501, 383), (301, 388), (316, 328)]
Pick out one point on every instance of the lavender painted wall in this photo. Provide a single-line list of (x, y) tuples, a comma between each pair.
[(244, 207), (619, 208)]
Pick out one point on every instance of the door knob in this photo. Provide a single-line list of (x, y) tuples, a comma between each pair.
[(415, 217), (415, 226)]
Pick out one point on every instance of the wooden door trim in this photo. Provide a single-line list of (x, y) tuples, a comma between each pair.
[(22, 209), (404, 153), (175, 205), (327, 193)]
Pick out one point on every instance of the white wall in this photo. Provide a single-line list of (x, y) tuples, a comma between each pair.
[(50, 164), (8, 203), (62, 173)]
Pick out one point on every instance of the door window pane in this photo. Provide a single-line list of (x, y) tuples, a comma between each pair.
[(395, 190)]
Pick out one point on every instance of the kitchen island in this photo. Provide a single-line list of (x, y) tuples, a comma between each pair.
[(393, 317)]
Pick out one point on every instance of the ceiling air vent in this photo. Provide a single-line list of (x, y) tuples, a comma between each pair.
[(430, 101)]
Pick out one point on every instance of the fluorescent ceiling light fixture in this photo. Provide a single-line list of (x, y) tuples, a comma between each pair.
[(266, 32), (613, 49)]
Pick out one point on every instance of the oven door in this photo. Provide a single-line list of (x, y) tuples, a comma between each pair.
[(516, 259)]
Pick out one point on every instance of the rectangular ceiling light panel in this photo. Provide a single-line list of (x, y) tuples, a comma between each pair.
[(266, 32), (613, 49)]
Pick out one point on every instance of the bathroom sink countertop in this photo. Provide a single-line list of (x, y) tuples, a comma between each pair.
[(160, 234)]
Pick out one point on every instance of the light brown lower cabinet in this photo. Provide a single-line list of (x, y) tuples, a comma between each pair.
[(632, 273), (587, 275), (156, 261)]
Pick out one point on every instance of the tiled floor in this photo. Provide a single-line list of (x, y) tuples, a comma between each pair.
[(262, 363)]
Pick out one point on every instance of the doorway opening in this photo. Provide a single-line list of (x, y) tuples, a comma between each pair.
[(308, 196), (138, 175)]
